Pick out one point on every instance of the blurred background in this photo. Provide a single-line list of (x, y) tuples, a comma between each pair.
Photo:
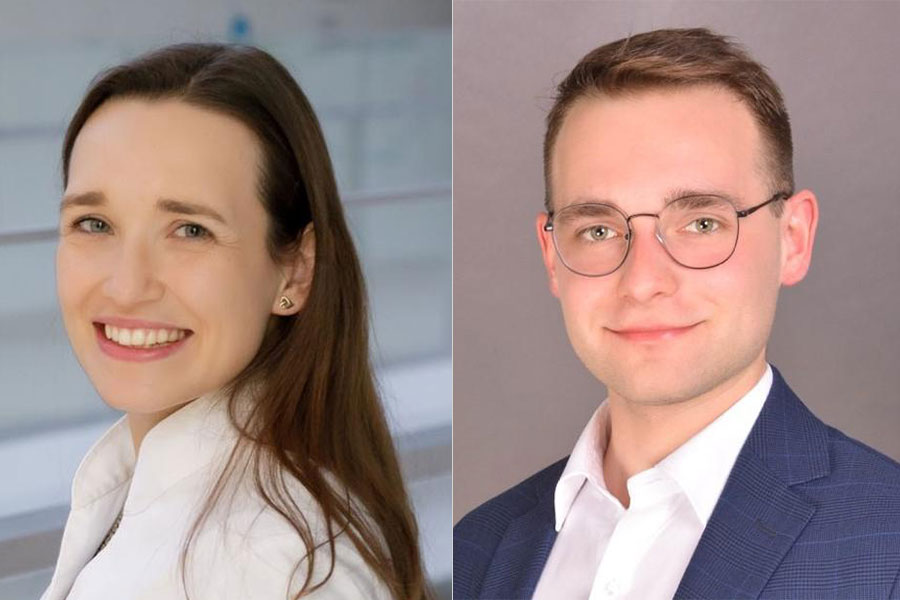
[(378, 75)]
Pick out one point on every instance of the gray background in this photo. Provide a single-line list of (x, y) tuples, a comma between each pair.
[(521, 397)]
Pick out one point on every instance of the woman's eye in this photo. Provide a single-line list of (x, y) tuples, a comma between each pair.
[(93, 225), (192, 230)]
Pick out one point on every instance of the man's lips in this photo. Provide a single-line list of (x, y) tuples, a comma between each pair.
[(650, 333)]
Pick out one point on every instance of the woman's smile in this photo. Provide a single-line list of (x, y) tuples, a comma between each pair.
[(140, 345)]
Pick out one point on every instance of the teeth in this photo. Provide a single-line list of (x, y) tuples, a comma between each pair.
[(143, 338)]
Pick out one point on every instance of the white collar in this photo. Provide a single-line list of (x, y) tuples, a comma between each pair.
[(179, 445), (700, 466)]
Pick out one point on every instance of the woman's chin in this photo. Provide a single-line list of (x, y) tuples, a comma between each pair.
[(139, 400)]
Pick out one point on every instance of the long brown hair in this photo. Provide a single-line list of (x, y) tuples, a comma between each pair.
[(676, 58), (316, 409)]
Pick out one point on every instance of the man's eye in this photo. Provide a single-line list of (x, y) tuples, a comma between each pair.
[(703, 225), (597, 233), (94, 225), (194, 231)]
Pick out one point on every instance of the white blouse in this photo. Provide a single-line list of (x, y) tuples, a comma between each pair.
[(243, 550)]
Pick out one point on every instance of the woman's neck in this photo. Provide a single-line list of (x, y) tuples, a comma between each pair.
[(141, 423)]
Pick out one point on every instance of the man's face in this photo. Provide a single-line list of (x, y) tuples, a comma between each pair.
[(634, 151)]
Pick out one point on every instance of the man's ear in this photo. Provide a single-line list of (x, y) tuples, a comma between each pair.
[(297, 275), (798, 232), (548, 251)]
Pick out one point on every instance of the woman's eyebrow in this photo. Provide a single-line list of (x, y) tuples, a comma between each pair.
[(84, 199), (164, 204), (188, 208)]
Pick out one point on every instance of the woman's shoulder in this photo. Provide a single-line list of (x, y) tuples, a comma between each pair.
[(267, 556)]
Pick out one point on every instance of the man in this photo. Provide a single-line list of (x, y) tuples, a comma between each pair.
[(671, 223)]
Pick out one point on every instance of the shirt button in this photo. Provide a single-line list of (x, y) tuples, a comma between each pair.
[(612, 588)]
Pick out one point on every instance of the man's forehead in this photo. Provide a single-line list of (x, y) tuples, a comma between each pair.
[(656, 141)]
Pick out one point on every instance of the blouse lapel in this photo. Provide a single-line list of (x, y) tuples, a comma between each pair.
[(98, 494)]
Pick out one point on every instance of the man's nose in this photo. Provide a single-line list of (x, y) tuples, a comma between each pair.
[(648, 270), (132, 278)]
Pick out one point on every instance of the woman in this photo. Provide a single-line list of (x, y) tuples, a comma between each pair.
[(210, 290)]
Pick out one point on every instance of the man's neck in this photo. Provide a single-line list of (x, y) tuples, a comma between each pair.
[(642, 435)]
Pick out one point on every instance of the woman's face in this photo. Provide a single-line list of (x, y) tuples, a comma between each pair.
[(161, 228)]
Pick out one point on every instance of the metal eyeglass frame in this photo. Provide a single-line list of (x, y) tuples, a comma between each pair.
[(548, 227)]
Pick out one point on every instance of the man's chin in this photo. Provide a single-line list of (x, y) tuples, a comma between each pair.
[(655, 383), (656, 395)]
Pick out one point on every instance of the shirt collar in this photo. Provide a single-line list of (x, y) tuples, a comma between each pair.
[(700, 466), (584, 464), (185, 441)]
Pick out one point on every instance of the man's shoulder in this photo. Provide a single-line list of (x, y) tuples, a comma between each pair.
[(801, 448), (495, 515), (477, 536), (852, 461)]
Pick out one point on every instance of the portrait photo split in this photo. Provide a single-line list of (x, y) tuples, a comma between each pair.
[(450, 300)]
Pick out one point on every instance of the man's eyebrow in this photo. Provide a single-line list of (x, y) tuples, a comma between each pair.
[(680, 193), (668, 198), (164, 204)]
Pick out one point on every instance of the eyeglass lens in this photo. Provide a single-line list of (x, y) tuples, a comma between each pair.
[(697, 231)]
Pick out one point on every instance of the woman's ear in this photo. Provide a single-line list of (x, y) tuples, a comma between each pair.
[(297, 276)]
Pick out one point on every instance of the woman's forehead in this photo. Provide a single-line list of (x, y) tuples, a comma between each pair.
[(158, 149)]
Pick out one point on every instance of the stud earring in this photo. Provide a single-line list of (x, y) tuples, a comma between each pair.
[(285, 302)]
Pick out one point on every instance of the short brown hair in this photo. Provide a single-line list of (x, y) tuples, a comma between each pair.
[(679, 58)]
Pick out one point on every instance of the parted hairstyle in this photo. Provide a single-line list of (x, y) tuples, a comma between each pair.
[(679, 58), (316, 410)]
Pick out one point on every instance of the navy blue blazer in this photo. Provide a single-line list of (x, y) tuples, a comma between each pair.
[(806, 512)]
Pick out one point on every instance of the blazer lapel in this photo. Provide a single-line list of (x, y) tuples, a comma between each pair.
[(522, 553), (758, 517)]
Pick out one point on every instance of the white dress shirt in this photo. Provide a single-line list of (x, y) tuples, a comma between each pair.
[(244, 550), (603, 550)]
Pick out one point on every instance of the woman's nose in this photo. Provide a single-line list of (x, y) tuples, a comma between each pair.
[(132, 277)]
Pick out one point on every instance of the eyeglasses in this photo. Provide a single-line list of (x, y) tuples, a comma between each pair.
[(698, 232)]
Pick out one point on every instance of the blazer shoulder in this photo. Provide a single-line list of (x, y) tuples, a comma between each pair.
[(478, 534), (852, 458), (496, 514)]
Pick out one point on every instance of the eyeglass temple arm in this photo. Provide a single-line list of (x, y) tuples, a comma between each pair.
[(753, 209), (548, 224)]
